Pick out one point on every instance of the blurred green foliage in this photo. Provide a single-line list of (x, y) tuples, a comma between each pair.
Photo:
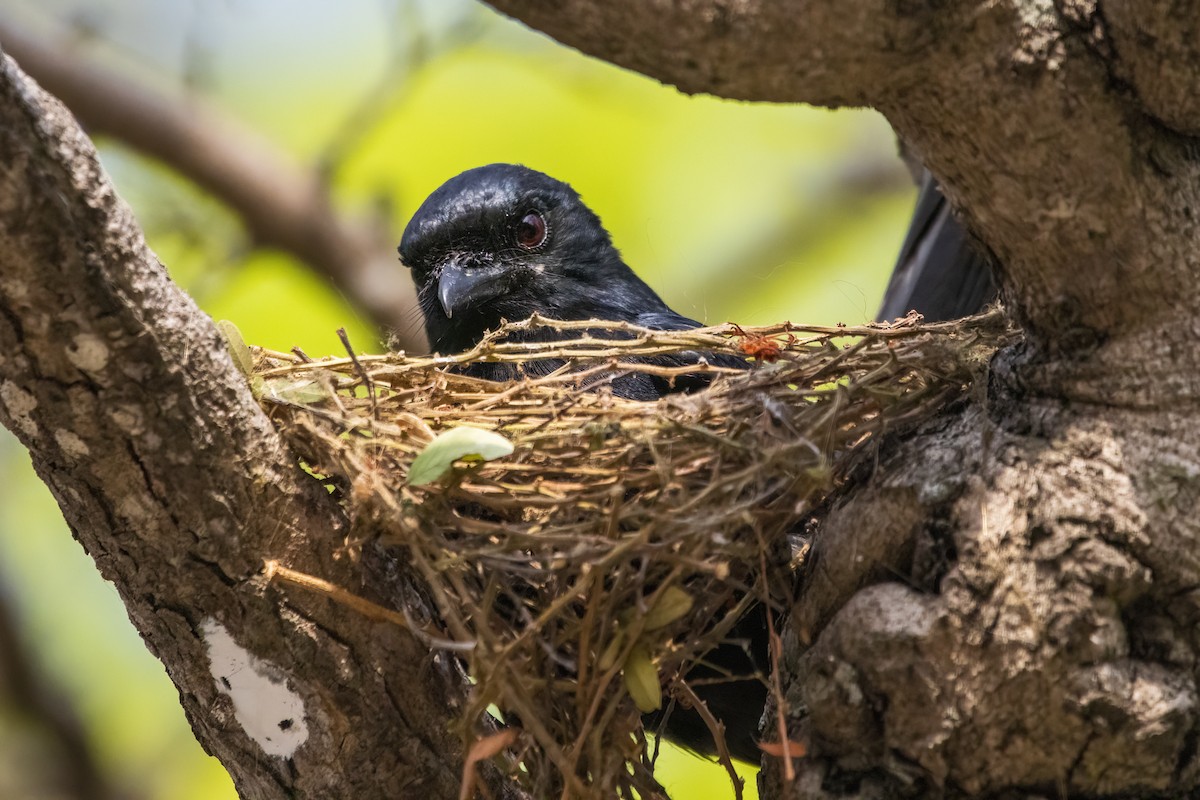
[(733, 211)]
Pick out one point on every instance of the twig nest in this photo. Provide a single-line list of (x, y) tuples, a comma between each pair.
[(583, 549)]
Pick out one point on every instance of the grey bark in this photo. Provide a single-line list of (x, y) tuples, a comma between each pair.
[(172, 478), (1006, 603)]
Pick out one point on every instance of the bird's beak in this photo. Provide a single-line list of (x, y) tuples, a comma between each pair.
[(460, 287)]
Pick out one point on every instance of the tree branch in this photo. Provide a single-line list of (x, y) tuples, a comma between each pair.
[(280, 204), (174, 481), (1010, 104), (1159, 48), (826, 53)]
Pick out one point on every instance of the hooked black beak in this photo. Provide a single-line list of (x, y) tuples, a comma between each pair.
[(460, 287)]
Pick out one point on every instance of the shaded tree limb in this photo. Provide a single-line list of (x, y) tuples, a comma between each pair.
[(172, 478), (280, 204), (1159, 45)]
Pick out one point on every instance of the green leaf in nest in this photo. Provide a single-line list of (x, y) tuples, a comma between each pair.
[(641, 680), (672, 605), (468, 443), (298, 391), (609, 656), (237, 346)]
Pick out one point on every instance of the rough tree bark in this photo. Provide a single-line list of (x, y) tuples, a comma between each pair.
[(1008, 603), (280, 203), (174, 481)]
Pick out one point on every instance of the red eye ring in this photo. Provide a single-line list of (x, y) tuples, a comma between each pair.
[(531, 231)]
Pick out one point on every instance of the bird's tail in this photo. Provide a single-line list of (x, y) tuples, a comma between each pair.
[(942, 271)]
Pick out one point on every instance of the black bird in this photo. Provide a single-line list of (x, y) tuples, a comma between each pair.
[(503, 242), (942, 271)]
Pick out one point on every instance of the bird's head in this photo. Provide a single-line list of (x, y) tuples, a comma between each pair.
[(502, 242)]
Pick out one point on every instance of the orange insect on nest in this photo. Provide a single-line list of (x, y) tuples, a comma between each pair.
[(760, 348)]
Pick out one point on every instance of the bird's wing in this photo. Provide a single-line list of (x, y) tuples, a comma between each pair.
[(941, 272), (668, 320)]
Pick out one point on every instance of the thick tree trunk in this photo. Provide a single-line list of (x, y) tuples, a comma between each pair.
[(174, 481), (1007, 602)]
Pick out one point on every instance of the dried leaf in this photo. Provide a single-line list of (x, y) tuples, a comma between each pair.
[(641, 680), (672, 604), (301, 392), (609, 656)]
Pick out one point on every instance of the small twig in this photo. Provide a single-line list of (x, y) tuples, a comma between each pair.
[(362, 373), (789, 772), (717, 729), (274, 571)]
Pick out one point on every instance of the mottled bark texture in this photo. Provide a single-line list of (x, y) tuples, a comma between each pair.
[(1006, 604), (175, 482)]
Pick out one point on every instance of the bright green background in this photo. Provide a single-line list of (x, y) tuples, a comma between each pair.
[(732, 211)]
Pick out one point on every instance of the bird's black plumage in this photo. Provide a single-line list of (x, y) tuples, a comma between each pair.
[(503, 242), (941, 272), (476, 263)]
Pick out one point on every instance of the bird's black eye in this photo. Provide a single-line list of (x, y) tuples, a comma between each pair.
[(531, 230)]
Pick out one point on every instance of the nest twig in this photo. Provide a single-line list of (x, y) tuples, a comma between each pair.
[(619, 536)]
